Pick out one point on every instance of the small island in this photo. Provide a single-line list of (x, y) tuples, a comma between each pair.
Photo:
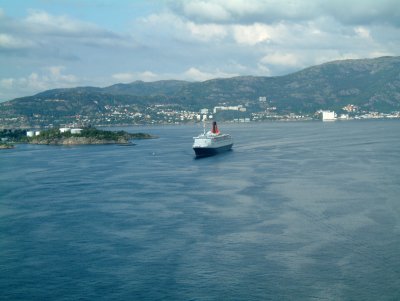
[(6, 146), (68, 136)]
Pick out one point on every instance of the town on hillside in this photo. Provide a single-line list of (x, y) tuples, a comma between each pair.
[(131, 114)]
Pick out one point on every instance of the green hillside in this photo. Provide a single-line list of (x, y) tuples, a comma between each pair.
[(371, 84)]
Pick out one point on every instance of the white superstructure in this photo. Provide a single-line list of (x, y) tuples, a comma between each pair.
[(210, 139)]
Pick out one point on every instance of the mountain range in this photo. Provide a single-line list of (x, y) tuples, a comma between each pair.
[(371, 84)]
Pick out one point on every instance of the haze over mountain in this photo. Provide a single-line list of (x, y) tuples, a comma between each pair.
[(372, 84)]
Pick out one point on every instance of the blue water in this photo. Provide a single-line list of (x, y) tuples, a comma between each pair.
[(297, 211)]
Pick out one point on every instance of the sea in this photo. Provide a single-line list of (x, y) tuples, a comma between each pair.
[(296, 211)]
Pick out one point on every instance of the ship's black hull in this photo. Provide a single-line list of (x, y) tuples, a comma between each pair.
[(208, 151)]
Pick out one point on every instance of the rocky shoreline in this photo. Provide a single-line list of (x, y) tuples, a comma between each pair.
[(56, 136), (6, 146), (78, 141)]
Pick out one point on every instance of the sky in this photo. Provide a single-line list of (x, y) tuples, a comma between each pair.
[(47, 44)]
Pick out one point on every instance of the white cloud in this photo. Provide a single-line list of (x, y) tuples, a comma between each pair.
[(283, 59), (195, 74), (374, 54), (127, 77), (334, 55), (359, 12), (148, 76), (57, 75), (267, 37), (173, 26), (262, 70), (362, 32), (210, 10), (7, 83), (363, 12), (46, 32), (51, 77), (242, 8), (9, 42), (252, 34), (35, 82), (244, 11), (186, 30), (191, 74), (41, 22), (206, 32)]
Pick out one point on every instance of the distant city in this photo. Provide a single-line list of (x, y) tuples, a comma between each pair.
[(338, 90), (131, 114)]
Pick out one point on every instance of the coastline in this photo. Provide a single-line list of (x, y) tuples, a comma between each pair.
[(122, 139), (87, 136), (78, 141), (7, 146)]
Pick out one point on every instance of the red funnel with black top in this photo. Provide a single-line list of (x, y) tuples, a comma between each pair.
[(214, 128)]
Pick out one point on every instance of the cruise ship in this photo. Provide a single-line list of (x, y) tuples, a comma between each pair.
[(212, 142)]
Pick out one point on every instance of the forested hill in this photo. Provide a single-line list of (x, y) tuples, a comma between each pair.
[(373, 84), (370, 83)]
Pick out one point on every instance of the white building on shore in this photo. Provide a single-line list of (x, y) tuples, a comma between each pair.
[(328, 115), (32, 133), (239, 108), (76, 131), (64, 130)]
